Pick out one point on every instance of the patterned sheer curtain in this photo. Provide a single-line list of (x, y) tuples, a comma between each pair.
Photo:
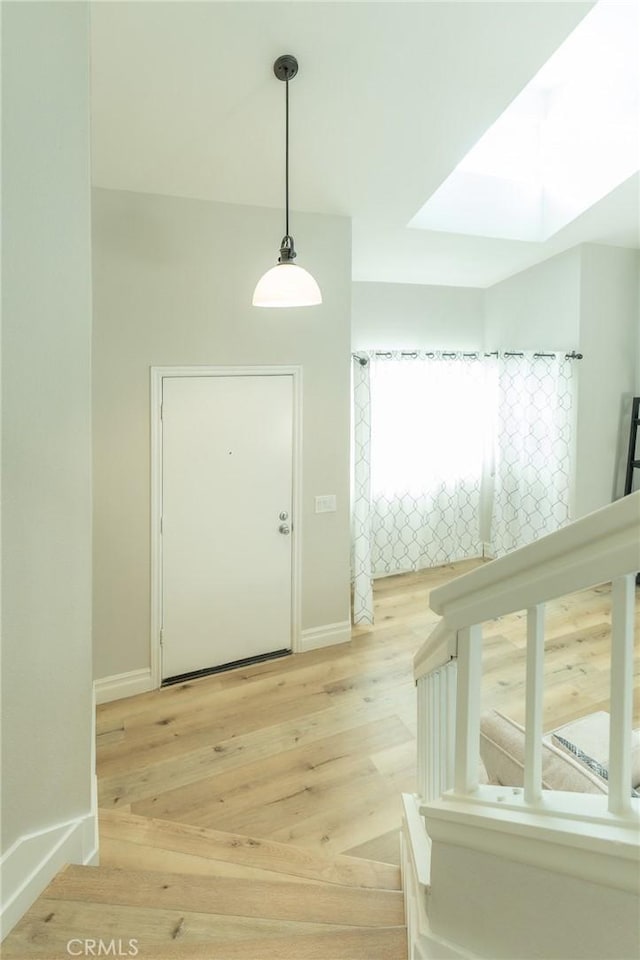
[(429, 429), (534, 403), (361, 494), (419, 437)]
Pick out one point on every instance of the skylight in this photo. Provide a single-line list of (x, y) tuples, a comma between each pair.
[(564, 143)]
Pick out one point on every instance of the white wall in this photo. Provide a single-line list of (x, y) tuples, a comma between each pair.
[(173, 281), (46, 421), (406, 316), (584, 299), (609, 331), (504, 910), (537, 309), (637, 323)]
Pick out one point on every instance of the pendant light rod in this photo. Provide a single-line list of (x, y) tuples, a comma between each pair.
[(286, 156), (285, 69)]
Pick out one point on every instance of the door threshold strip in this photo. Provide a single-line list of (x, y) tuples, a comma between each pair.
[(222, 668)]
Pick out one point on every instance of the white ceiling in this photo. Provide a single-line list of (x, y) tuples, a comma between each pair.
[(389, 98)]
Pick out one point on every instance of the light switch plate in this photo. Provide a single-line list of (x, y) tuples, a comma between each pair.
[(326, 503)]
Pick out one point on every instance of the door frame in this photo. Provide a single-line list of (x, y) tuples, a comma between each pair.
[(158, 374)]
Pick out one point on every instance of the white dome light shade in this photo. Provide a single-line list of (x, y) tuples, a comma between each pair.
[(286, 285)]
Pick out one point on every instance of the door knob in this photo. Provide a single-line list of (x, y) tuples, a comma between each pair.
[(284, 529)]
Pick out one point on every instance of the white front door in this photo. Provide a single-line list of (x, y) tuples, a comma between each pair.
[(227, 464)]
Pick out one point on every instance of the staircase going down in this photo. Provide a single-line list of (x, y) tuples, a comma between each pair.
[(167, 889)]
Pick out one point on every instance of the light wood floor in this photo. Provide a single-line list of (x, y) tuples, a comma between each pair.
[(315, 750)]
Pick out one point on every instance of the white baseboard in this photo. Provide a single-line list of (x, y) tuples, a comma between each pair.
[(123, 685), (92, 838), (33, 861), (325, 636)]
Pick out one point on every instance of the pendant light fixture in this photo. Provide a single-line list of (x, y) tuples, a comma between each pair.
[(286, 284)]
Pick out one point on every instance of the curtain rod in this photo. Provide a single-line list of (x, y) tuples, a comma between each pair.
[(453, 353)]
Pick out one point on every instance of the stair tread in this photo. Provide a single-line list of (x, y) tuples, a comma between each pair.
[(215, 845), (382, 943), (388, 943), (50, 924), (279, 900), (129, 855)]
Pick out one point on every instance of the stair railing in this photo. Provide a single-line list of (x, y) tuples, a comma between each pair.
[(600, 548)]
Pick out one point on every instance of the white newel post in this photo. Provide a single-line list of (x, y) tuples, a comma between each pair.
[(436, 731)]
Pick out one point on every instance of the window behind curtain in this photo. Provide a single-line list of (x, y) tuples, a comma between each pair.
[(427, 444)]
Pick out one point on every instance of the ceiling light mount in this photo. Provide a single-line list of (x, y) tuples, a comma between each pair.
[(285, 67), (293, 286)]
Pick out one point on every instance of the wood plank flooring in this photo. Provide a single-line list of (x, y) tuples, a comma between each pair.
[(315, 749)]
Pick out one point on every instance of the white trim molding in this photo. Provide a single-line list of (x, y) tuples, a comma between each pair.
[(157, 376), (325, 636), (415, 866), (33, 861), (92, 838), (568, 833), (122, 685)]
